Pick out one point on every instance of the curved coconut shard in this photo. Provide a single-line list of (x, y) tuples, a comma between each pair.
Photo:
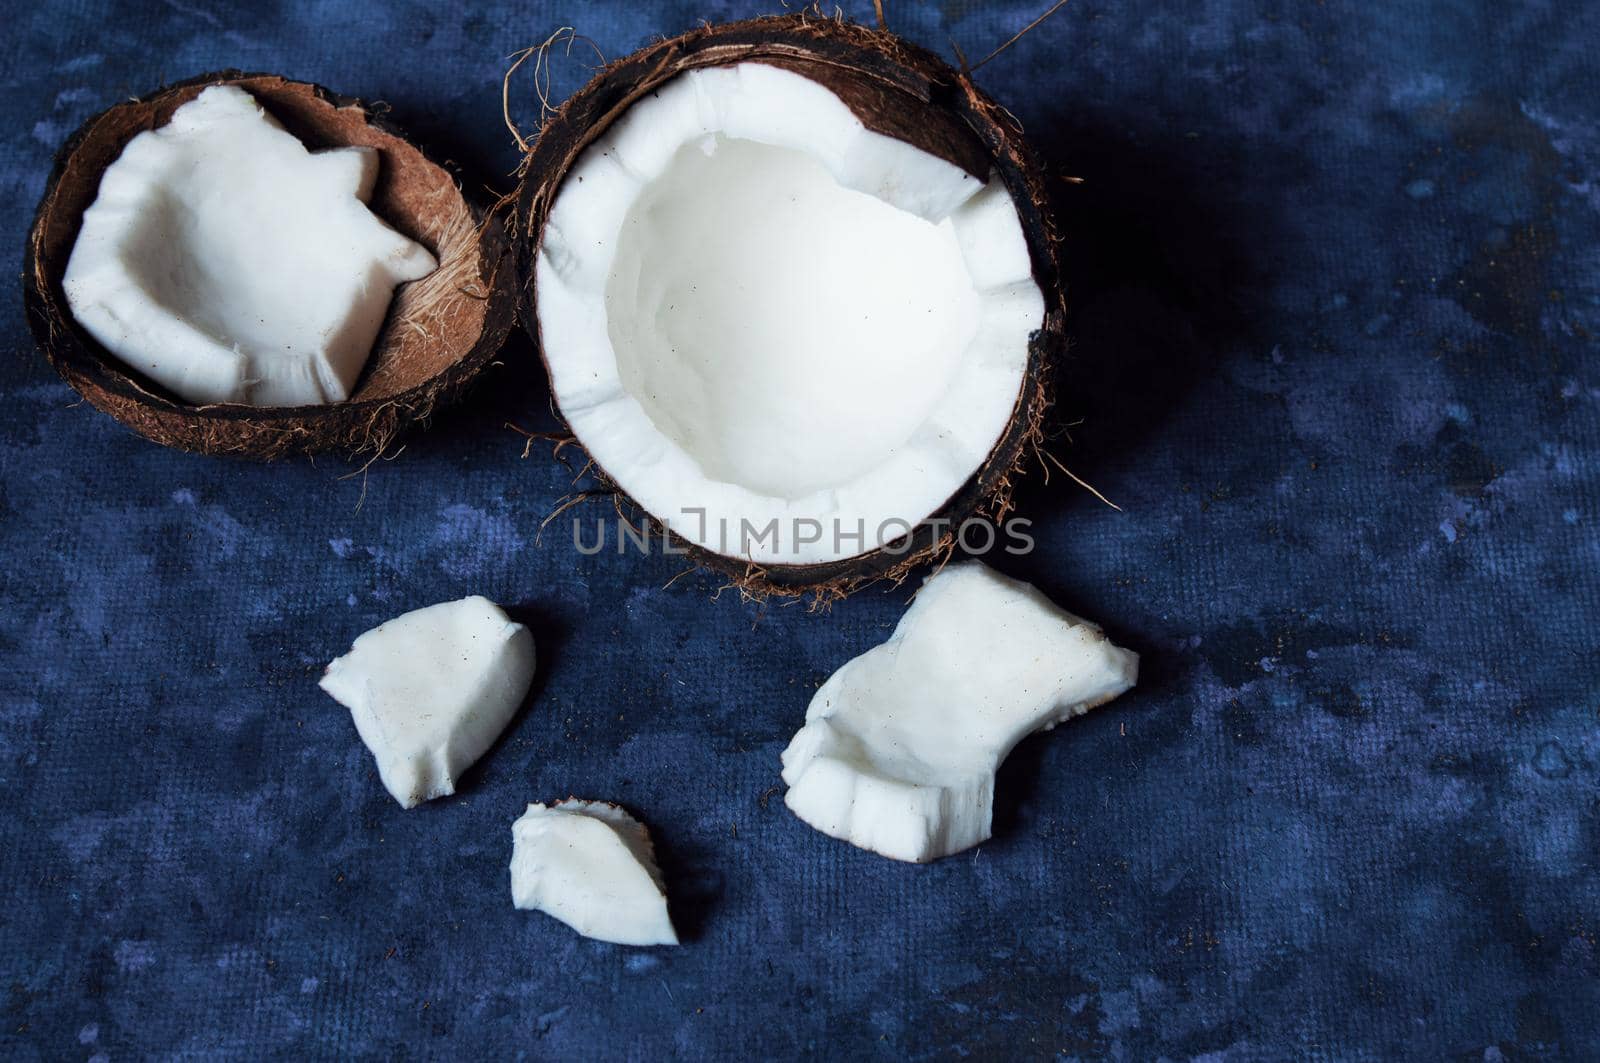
[(227, 263), (590, 865), (432, 689), (900, 746)]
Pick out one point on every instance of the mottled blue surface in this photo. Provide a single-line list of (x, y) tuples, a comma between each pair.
[(1336, 289)]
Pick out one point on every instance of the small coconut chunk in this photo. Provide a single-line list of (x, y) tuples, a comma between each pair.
[(227, 263), (591, 865), (430, 691), (900, 746)]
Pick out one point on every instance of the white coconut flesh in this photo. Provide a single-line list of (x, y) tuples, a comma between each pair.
[(900, 746), (227, 263), (755, 309), (590, 865), (432, 689)]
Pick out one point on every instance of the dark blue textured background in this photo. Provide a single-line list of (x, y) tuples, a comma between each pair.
[(1336, 290)]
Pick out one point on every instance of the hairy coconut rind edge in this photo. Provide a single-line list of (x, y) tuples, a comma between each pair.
[(440, 332), (895, 88)]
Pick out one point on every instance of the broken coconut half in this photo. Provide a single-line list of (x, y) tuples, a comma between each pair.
[(900, 746), (151, 280), (431, 690), (229, 264), (795, 289), (590, 865)]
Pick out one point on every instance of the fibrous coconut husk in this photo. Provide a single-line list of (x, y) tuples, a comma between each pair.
[(440, 332)]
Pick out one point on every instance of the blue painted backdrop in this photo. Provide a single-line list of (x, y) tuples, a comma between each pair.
[(1336, 287)]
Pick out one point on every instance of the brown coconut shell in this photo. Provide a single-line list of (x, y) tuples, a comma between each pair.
[(895, 88), (440, 332)]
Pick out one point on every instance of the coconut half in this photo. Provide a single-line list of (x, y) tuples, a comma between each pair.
[(795, 290), (229, 264), (440, 331)]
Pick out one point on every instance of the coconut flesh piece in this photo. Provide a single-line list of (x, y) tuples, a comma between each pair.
[(591, 865), (227, 263), (431, 690), (900, 746), (755, 309)]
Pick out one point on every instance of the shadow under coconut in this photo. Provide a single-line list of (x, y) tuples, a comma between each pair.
[(484, 163), (1161, 260), (512, 389), (549, 638), (694, 883), (1017, 780)]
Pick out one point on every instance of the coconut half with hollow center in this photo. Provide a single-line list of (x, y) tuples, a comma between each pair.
[(795, 289), (438, 332)]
